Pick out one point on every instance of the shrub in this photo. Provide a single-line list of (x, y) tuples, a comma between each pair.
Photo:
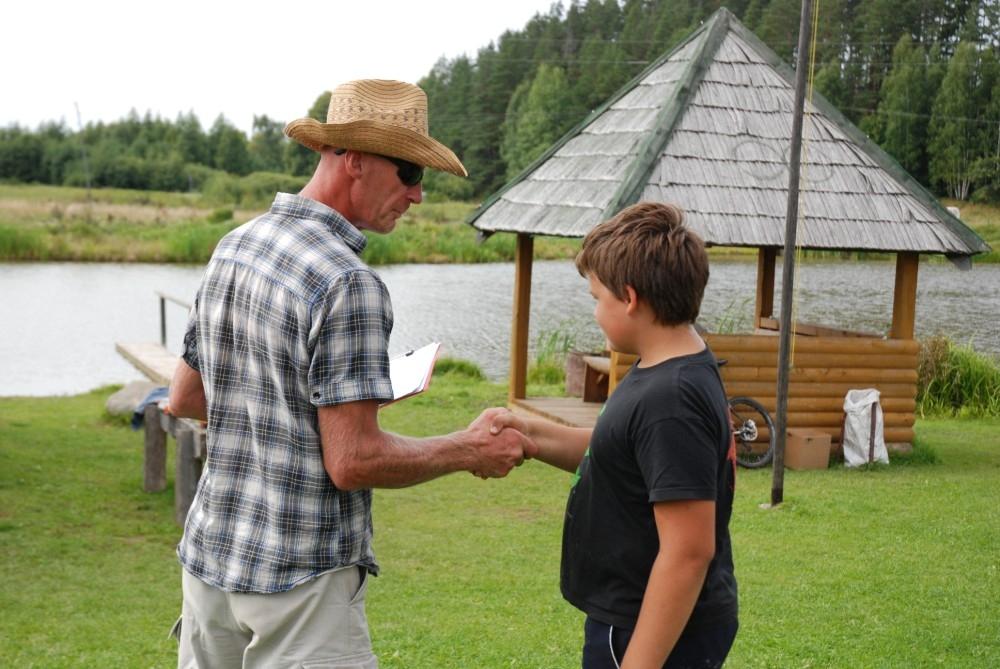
[(445, 187), (551, 347), (194, 243), (18, 243), (956, 380), (459, 368)]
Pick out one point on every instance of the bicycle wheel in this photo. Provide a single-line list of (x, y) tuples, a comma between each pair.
[(753, 431)]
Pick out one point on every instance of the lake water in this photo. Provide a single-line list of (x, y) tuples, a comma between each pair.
[(59, 321)]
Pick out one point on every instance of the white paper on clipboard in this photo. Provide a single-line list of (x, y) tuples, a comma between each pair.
[(411, 372)]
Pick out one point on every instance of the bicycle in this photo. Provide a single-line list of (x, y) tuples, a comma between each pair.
[(754, 449)]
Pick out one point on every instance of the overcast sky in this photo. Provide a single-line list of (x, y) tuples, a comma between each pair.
[(231, 58)]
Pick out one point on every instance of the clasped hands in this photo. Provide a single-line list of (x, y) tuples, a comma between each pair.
[(501, 443)]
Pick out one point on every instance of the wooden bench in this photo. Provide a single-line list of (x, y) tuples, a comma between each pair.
[(158, 364), (595, 378), (603, 373)]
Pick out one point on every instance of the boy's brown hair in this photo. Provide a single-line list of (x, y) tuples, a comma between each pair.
[(647, 246)]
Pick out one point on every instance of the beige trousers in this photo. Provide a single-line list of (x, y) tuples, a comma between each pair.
[(318, 624)]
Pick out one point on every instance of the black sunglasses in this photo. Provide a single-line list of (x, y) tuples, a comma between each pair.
[(409, 173)]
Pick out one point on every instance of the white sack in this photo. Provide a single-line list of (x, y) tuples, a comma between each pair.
[(859, 447)]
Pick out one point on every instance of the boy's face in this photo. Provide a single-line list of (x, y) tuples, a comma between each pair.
[(612, 316)]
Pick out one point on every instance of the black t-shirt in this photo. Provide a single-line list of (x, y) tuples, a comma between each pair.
[(663, 435)]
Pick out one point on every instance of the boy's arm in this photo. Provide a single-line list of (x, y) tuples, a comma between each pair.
[(558, 445), (686, 529)]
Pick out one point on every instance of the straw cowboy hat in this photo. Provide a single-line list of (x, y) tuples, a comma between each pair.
[(378, 116)]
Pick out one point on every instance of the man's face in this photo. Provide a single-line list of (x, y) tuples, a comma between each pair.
[(382, 197)]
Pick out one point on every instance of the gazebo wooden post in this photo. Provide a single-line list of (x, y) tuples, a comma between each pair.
[(764, 306), (522, 307), (904, 298)]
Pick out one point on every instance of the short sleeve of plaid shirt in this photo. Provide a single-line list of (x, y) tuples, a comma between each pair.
[(190, 351), (349, 341)]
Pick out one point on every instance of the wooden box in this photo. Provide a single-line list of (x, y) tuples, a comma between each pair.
[(807, 449)]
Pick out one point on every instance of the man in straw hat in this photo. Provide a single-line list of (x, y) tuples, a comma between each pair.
[(285, 356)]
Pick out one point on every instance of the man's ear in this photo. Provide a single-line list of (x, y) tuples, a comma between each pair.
[(353, 161)]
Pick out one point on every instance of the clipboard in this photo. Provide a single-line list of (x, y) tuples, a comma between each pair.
[(411, 372)]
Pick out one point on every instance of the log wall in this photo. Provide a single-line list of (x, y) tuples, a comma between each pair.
[(823, 370)]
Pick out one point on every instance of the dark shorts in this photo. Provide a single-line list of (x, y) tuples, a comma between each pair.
[(704, 648)]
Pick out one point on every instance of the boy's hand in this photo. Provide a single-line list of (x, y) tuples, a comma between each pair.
[(504, 418), (499, 453)]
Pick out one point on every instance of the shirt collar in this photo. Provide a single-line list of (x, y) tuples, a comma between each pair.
[(287, 204)]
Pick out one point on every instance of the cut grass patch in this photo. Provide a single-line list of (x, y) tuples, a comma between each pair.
[(893, 566)]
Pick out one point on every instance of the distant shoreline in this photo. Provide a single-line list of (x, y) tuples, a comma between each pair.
[(62, 224)]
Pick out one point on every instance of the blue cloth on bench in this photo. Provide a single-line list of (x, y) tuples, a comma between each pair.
[(154, 396)]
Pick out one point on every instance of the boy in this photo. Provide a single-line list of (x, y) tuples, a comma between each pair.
[(646, 550)]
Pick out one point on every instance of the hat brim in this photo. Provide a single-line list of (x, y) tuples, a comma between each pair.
[(374, 137)]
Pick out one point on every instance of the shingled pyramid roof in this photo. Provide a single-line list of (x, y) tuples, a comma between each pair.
[(708, 127)]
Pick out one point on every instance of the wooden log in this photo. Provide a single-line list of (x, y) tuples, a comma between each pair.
[(858, 377), (773, 325), (827, 404), (860, 346), (804, 360), (759, 389), (620, 364), (833, 419), (522, 309), (904, 298), (898, 435), (188, 471), (154, 457), (764, 303)]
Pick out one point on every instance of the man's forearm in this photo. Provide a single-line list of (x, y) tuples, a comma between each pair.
[(358, 454), (396, 461)]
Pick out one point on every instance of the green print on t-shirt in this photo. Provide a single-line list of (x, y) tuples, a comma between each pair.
[(586, 454), (576, 475)]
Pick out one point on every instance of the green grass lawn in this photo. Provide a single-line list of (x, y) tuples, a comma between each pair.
[(892, 567)]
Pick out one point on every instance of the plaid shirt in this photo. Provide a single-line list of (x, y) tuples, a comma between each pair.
[(287, 319)]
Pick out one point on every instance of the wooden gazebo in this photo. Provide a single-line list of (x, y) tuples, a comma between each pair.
[(708, 127)]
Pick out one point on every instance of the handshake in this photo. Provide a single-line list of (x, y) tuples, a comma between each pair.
[(499, 443)]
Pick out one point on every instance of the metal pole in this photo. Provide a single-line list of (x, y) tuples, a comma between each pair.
[(788, 261), (163, 321)]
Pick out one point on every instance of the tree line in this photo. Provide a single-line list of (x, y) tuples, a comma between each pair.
[(920, 77)]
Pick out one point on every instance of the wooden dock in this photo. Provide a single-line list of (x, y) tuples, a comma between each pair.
[(158, 364), (152, 359), (571, 411)]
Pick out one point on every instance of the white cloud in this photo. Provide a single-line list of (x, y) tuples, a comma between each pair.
[(236, 59)]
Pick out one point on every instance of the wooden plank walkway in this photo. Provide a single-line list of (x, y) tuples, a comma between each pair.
[(571, 411)]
